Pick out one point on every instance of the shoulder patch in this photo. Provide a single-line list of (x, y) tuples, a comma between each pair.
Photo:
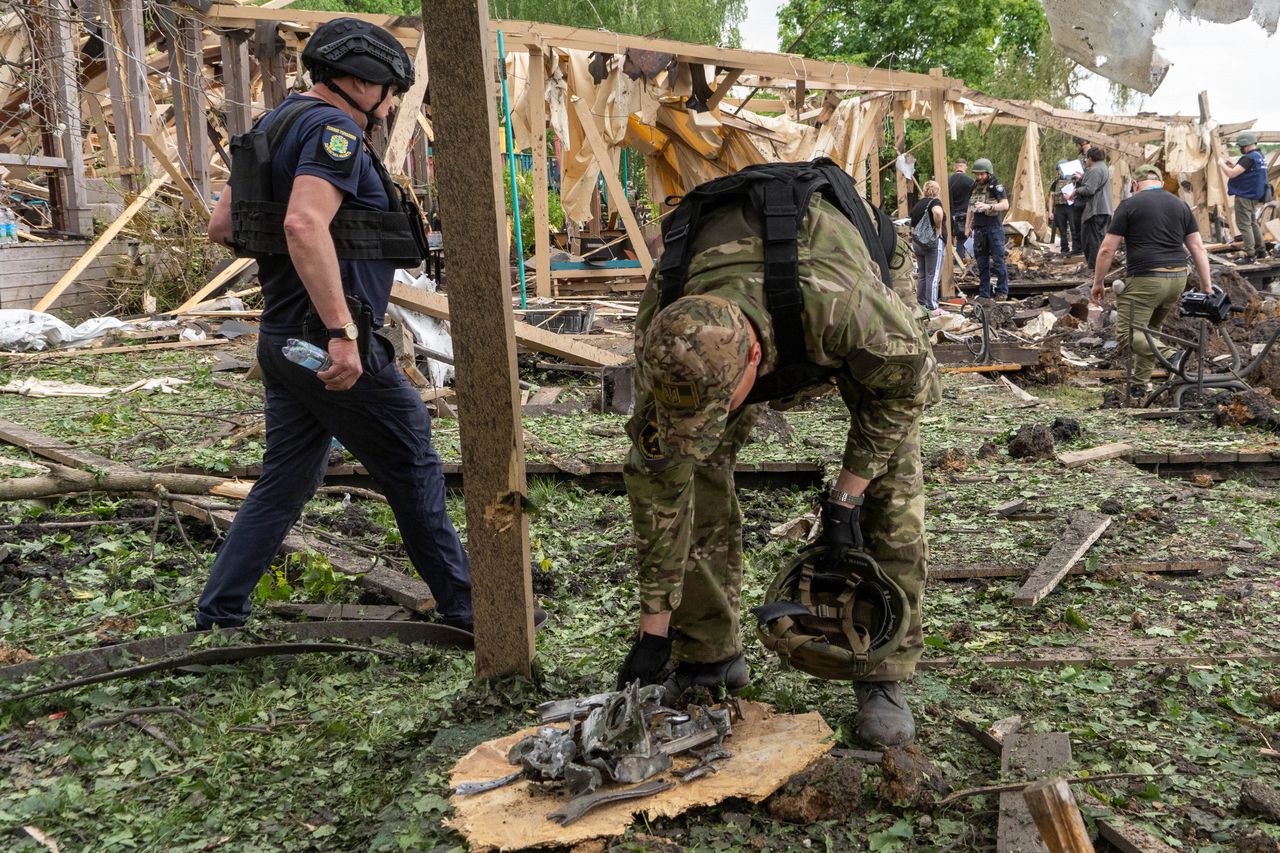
[(676, 395), (339, 144)]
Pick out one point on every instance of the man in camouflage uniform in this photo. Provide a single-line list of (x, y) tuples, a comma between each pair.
[(696, 361)]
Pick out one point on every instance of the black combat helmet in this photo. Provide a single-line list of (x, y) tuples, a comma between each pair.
[(350, 46)]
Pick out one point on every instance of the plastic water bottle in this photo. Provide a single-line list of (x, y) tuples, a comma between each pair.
[(8, 227), (306, 355)]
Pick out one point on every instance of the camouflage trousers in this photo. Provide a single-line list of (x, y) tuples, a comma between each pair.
[(689, 529)]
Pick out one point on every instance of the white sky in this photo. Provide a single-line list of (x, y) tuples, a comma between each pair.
[(1232, 62)]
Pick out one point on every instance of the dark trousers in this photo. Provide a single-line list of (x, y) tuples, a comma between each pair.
[(1094, 229), (1077, 212), (384, 423), (988, 250), (957, 231), (1062, 224)]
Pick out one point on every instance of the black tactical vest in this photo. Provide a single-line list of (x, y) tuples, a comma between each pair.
[(780, 195), (257, 217)]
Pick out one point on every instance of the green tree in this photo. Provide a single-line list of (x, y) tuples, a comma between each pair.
[(967, 40)]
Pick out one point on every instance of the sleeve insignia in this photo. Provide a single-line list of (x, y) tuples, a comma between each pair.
[(647, 442), (338, 143)]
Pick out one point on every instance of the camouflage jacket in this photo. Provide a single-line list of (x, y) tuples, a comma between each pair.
[(851, 321)]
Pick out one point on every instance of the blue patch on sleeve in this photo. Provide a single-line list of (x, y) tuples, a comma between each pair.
[(339, 147)]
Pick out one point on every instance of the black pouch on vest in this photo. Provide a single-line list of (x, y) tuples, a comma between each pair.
[(314, 329)]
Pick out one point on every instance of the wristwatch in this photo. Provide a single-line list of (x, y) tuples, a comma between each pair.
[(347, 332), (835, 495)]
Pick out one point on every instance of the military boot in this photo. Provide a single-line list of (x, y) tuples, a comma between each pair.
[(726, 676), (883, 716)]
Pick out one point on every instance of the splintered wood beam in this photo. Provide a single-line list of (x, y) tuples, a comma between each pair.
[(1075, 128), (1083, 529), (113, 230), (189, 192), (410, 106), (618, 200), (730, 79), (539, 340), (473, 212), (938, 128), (1057, 817), (232, 270)]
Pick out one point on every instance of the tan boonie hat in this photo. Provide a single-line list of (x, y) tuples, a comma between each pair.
[(692, 359), (1147, 172)]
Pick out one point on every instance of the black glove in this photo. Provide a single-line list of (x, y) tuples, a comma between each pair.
[(841, 528), (645, 661)]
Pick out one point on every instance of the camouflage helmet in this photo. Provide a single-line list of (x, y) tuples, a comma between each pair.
[(837, 621), (692, 359), (982, 164)]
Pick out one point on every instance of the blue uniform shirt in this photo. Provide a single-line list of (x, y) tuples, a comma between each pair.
[(326, 143), (1252, 182)]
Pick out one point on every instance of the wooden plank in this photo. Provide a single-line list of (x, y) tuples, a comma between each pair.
[(541, 211), (1057, 816), (938, 129), (982, 570), (1027, 756), (137, 90), (65, 63), (473, 214), (101, 243), (899, 146), (1094, 454), (1074, 128), (1083, 529), (73, 353), (232, 270), (33, 161), (237, 97), (618, 201), (1123, 835), (410, 106), (540, 340), (198, 204), (979, 368), (818, 74), (55, 449), (191, 48), (726, 83), (328, 612)]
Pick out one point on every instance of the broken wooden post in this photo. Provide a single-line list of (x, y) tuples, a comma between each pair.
[(113, 51), (190, 43), (472, 217), (237, 97), (136, 87), (401, 136), (1083, 529), (1031, 756), (266, 49), (938, 124), (1057, 817), (77, 218), (537, 101), (900, 147)]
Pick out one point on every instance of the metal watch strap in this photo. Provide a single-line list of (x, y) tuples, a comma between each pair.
[(837, 496)]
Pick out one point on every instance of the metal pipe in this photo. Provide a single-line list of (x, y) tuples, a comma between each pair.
[(511, 169)]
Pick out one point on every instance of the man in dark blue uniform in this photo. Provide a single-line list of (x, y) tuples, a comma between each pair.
[(987, 205), (329, 231)]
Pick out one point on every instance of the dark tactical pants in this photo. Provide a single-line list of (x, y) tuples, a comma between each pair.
[(957, 230), (384, 423), (1095, 229), (989, 251), (1077, 213), (705, 568), (1062, 224), (1246, 210)]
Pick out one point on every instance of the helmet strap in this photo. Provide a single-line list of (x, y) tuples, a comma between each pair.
[(371, 120)]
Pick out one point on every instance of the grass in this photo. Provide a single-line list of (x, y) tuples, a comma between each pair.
[(352, 752)]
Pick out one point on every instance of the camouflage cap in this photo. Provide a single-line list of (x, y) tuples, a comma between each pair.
[(691, 359), (1147, 172)]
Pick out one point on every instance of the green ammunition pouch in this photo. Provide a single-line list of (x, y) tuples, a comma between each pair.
[(257, 217), (834, 620)]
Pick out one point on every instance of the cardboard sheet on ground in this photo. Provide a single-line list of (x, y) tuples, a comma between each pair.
[(768, 749)]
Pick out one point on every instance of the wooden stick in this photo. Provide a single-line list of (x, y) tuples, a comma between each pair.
[(113, 230), (232, 270), (1058, 817), (1083, 529), (198, 204), (1021, 786)]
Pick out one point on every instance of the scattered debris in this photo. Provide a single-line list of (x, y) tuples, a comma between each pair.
[(829, 790), (950, 459), (1247, 408), (1083, 529), (908, 777), (1260, 798), (1065, 429)]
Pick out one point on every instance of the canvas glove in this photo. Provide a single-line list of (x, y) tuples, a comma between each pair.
[(646, 660), (841, 529)]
